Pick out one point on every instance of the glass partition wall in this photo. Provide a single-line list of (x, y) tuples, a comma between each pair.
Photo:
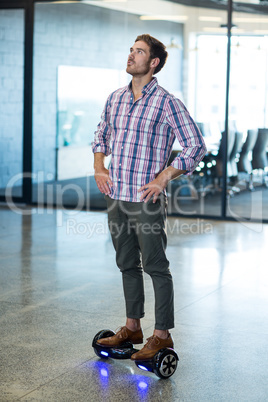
[(247, 184), (80, 54), (80, 51)]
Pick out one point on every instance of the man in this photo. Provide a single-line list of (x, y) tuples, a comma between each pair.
[(138, 127)]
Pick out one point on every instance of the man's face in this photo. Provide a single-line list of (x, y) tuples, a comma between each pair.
[(139, 59)]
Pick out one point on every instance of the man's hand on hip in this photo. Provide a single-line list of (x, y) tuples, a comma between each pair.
[(153, 189), (157, 186)]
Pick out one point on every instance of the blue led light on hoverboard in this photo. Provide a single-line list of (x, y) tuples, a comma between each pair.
[(104, 353), (142, 367)]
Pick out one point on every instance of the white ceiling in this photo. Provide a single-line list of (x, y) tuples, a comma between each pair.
[(195, 19), (140, 6)]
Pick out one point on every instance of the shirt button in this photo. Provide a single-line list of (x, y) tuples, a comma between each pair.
[(119, 164), (122, 148), (118, 179)]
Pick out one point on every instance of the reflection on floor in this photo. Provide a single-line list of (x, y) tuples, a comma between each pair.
[(59, 285)]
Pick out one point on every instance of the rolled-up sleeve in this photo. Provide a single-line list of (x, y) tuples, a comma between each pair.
[(102, 135), (188, 135)]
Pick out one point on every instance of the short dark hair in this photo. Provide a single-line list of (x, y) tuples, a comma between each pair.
[(157, 49)]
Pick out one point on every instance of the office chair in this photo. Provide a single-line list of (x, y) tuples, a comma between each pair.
[(244, 164), (235, 150), (259, 153), (217, 170), (233, 178), (219, 156)]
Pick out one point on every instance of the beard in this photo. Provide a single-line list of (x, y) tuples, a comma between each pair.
[(137, 71)]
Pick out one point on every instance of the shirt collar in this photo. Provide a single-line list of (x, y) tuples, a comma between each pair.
[(147, 88)]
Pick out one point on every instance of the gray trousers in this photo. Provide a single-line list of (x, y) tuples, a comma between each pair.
[(139, 238)]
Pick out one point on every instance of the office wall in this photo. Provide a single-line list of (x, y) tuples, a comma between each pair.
[(82, 35), (11, 95)]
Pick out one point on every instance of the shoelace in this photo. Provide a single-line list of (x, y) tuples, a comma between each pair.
[(123, 332), (151, 339)]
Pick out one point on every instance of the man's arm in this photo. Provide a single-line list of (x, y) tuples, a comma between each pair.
[(101, 149), (188, 135), (101, 175), (156, 187), (192, 153)]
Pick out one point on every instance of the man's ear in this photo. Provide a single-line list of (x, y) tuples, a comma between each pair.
[(155, 62)]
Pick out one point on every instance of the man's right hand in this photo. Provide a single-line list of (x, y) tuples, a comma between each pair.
[(103, 180)]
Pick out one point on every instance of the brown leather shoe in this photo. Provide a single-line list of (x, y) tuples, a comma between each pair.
[(153, 345), (123, 335)]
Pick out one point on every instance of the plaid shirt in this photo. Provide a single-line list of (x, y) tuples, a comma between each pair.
[(140, 135)]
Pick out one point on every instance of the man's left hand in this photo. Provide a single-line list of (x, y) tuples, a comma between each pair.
[(156, 187), (153, 189)]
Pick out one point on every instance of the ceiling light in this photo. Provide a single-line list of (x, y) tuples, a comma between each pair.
[(251, 20), (209, 19), (62, 2), (216, 29), (174, 45), (221, 29), (179, 18), (261, 31), (98, 2)]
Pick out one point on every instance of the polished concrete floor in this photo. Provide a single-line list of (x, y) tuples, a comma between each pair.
[(59, 285)]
